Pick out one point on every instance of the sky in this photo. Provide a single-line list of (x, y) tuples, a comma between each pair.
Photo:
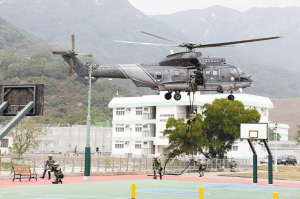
[(155, 7)]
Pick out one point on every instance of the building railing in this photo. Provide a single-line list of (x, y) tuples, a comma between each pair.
[(147, 116), (163, 137), (147, 134), (147, 151)]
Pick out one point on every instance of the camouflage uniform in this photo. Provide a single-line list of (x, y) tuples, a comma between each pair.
[(157, 167), (48, 167), (57, 173), (201, 169), (233, 166)]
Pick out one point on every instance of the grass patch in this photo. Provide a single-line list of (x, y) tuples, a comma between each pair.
[(284, 172)]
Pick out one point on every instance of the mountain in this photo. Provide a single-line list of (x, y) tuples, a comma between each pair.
[(25, 59), (219, 24)]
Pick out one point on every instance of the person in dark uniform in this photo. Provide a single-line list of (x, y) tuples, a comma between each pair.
[(157, 167), (48, 166)]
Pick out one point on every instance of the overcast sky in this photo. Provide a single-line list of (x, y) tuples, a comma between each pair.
[(154, 7)]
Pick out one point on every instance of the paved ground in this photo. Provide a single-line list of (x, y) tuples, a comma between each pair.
[(185, 186)]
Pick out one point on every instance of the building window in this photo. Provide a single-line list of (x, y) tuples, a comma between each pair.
[(120, 112), (128, 109), (4, 143), (145, 143), (139, 112), (235, 148), (145, 109), (119, 146), (166, 115), (119, 129), (138, 129), (138, 146)]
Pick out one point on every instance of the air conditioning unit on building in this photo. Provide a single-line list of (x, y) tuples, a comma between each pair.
[(127, 142), (127, 125), (145, 126), (128, 110)]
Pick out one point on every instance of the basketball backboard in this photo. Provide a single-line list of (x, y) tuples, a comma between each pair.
[(257, 131), (18, 96)]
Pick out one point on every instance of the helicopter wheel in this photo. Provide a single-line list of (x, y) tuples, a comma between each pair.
[(230, 97), (168, 95), (177, 96)]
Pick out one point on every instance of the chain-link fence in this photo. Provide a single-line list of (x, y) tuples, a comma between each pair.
[(114, 163)]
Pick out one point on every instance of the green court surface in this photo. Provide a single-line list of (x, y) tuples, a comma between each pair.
[(148, 189)]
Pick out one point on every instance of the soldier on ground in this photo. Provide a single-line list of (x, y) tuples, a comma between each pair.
[(233, 166), (202, 168), (48, 166), (157, 167), (57, 173)]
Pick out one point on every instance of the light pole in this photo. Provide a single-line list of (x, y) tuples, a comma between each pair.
[(87, 155), (275, 129)]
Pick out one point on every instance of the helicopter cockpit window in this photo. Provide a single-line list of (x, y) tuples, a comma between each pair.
[(240, 71), (215, 72), (176, 73), (158, 75), (208, 73), (233, 71)]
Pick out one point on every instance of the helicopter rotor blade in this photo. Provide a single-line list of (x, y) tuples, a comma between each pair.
[(73, 41), (151, 44), (157, 36), (84, 55), (235, 42), (60, 52), (71, 66)]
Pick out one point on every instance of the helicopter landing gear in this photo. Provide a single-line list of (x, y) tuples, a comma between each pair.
[(168, 95), (177, 95), (230, 97)]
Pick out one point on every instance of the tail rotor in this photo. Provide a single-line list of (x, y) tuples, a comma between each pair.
[(72, 54)]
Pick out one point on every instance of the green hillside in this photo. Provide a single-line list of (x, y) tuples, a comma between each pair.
[(25, 59)]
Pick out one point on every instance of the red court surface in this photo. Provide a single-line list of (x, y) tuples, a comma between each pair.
[(74, 180)]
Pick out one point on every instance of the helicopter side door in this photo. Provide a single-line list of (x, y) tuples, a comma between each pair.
[(225, 75)]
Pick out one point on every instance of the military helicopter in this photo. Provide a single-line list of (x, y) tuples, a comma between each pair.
[(180, 72)]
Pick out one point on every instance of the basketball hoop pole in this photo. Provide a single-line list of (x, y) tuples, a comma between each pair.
[(254, 162), (270, 164)]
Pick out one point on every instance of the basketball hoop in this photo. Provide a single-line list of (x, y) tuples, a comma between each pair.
[(252, 138)]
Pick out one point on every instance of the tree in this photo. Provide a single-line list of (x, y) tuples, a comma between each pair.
[(272, 135), (297, 137), (214, 132), (179, 136), (27, 135)]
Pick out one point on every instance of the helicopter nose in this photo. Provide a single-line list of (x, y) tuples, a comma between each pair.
[(249, 79)]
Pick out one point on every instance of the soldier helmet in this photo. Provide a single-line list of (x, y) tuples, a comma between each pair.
[(56, 164), (233, 160), (49, 155)]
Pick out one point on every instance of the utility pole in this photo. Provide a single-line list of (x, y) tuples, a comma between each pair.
[(87, 159)]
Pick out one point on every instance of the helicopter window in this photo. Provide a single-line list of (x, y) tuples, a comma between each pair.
[(158, 74), (208, 72), (215, 72), (233, 71), (176, 73), (240, 71)]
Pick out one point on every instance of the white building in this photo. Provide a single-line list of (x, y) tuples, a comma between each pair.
[(138, 122), (282, 129)]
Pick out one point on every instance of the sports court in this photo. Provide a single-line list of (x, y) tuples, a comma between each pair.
[(146, 188)]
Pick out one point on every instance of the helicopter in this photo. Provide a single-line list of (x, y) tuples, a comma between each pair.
[(178, 72)]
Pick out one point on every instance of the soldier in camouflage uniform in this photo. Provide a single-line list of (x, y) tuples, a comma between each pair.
[(201, 168), (233, 166), (48, 166), (57, 173), (157, 167)]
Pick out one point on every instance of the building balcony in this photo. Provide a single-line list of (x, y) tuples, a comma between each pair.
[(147, 134)]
